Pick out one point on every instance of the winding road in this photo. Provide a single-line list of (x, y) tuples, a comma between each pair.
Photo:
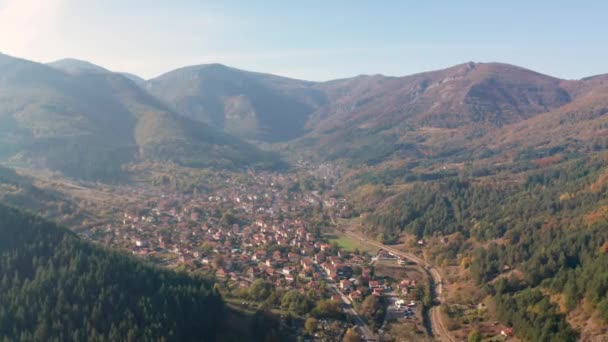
[(437, 326), (366, 332)]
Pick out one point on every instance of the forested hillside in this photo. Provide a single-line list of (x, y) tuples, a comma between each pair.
[(55, 287), (550, 224)]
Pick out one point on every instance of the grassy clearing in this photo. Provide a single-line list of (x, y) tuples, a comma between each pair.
[(348, 243)]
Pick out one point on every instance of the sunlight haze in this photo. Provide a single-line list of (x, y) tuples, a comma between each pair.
[(316, 41)]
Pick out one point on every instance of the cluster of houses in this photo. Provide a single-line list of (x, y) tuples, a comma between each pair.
[(177, 223), (241, 233)]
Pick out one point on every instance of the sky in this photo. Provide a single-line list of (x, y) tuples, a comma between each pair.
[(313, 39)]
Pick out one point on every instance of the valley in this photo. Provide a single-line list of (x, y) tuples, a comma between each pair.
[(463, 203), (249, 229)]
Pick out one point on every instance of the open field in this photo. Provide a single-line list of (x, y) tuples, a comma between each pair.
[(348, 243), (390, 269)]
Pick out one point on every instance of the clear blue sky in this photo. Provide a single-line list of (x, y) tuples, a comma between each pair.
[(316, 40)]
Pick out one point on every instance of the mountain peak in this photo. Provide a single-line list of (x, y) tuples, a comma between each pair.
[(76, 65), (213, 66), (204, 67)]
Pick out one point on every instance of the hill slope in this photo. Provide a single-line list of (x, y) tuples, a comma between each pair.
[(489, 93), (251, 105), (371, 118), (20, 192), (48, 273), (88, 124), (450, 114), (581, 125)]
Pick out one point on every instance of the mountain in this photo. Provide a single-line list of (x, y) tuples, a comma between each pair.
[(251, 105), (472, 110), (478, 93), (88, 124), (47, 272), (371, 118)]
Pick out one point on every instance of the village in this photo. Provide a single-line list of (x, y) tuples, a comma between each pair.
[(266, 230)]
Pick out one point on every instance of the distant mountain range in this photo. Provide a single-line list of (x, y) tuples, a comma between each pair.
[(88, 122), (68, 111), (472, 110)]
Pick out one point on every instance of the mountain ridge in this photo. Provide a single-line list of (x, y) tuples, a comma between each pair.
[(64, 120), (369, 119), (485, 94), (76, 65)]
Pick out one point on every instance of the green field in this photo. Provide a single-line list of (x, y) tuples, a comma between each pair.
[(348, 243)]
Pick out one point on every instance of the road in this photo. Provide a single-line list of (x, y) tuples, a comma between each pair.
[(366, 332), (439, 330)]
